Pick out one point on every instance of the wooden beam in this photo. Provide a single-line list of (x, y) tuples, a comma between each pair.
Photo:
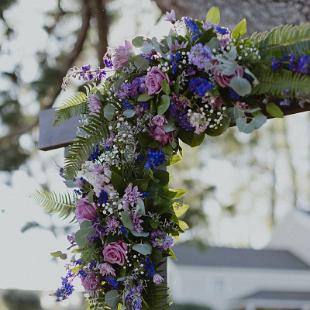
[(54, 137)]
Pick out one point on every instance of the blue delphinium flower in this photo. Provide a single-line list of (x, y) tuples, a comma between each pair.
[(95, 153), (221, 30), (66, 288), (112, 282), (275, 63), (173, 60), (123, 230), (149, 267), (200, 55), (155, 158), (302, 65), (193, 27), (127, 105), (200, 86), (103, 197)]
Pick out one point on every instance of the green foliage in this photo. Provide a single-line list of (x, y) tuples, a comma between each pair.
[(287, 39), (62, 204), (281, 82), (214, 15), (240, 29), (157, 297), (73, 106), (274, 110), (92, 132), (81, 236)]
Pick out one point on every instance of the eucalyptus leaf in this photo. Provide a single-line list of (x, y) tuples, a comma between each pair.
[(138, 41), (214, 15), (170, 127), (112, 299), (140, 234), (126, 220), (109, 111), (144, 97), (164, 104), (240, 85), (140, 62), (165, 87), (81, 236), (140, 208), (231, 54), (129, 113), (143, 248)]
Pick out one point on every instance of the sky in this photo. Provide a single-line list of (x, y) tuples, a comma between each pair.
[(25, 261)]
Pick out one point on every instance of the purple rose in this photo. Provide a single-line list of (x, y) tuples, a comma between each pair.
[(154, 79), (91, 281), (115, 253), (85, 211)]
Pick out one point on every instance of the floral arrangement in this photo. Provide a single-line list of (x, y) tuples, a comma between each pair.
[(198, 80)]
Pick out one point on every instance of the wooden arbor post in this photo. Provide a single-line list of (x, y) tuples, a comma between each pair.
[(54, 137)]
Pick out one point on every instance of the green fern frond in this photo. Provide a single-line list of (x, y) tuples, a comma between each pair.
[(75, 105), (92, 132), (157, 297), (287, 39), (63, 204), (281, 83)]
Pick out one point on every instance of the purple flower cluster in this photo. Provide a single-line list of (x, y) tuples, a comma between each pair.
[(161, 240), (133, 298), (200, 55), (66, 288), (132, 89), (94, 104)]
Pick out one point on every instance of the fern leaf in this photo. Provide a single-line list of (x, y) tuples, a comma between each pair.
[(92, 133), (287, 39), (281, 83), (157, 297), (63, 204), (75, 105)]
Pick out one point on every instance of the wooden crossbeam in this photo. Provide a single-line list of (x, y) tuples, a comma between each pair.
[(54, 137)]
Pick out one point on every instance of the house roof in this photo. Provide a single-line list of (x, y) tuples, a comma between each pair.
[(238, 258), (279, 295)]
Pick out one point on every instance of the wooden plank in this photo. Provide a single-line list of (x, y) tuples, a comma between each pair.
[(54, 137)]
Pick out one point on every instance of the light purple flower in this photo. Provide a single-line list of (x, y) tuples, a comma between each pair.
[(158, 120), (154, 79), (106, 270), (94, 104), (200, 55), (85, 211), (157, 278), (120, 55), (137, 222), (112, 224), (170, 17), (91, 281), (131, 196)]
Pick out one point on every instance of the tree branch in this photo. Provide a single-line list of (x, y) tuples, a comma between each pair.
[(102, 20), (56, 88)]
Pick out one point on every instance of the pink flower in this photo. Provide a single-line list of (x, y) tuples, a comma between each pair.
[(121, 55), (115, 253), (224, 80), (159, 134), (85, 211), (154, 79), (106, 270), (91, 281)]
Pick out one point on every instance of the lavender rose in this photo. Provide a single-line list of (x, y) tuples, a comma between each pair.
[(91, 281), (85, 211), (115, 253), (224, 80), (154, 79)]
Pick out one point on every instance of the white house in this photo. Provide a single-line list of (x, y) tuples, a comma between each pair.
[(277, 277)]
